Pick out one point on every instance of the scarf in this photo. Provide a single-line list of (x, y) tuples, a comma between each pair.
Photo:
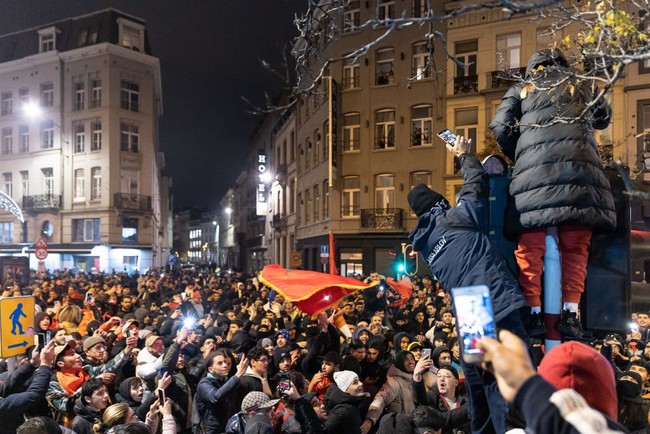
[(72, 382)]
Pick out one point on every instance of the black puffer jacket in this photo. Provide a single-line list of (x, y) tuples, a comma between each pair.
[(345, 413), (558, 177)]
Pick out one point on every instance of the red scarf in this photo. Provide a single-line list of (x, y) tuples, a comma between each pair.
[(72, 382)]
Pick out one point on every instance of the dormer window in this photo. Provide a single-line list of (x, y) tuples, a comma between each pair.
[(47, 39), (131, 35)]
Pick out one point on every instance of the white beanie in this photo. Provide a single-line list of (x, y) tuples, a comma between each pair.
[(343, 379)]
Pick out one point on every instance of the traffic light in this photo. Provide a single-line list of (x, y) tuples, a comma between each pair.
[(400, 266)]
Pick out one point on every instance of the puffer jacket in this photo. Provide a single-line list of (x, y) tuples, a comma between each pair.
[(214, 403), (396, 395), (345, 413), (455, 245), (85, 418), (558, 176)]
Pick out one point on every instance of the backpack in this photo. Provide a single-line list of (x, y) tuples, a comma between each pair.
[(236, 424)]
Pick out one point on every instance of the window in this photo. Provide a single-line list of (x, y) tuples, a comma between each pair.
[(79, 184), (95, 93), (79, 137), (326, 143), (130, 229), (351, 196), (421, 125), (508, 51), (385, 129), (350, 74), (131, 34), (384, 67), (351, 132), (423, 177), (6, 232), (292, 147), (300, 207), (326, 200), (47, 134), (48, 181), (85, 230), (8, 184), (420, 8), (422, 67), (385, 9), (79, 89), (292, 194), (466, 122), (23, 138), (96, 183), (129, 137), (24, 182), (316, 203), (23, 95), (352, 16), (7, 141), (130, 182), (307, 206), (47, 94), (466, 78), (130, 96), (643, 140), (7, 103), (96, 130), (385, 191), (317, 142), (308, 155), (47, 40)]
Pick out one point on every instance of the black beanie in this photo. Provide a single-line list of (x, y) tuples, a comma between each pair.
[(421, 199)]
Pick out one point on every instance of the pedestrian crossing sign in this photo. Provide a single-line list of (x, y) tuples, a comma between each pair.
[(17, 325)]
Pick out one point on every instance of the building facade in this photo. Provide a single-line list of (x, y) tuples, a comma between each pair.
[(80, 101)]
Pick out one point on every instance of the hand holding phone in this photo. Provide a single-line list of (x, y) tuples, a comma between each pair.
[(475, 319), (447, 136), (426, 352)]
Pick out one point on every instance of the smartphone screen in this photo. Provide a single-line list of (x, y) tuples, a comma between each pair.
[(48, 337), (161, 396), (447, 136), (474, 319), (426, 352), (284, 384), (41, 341), (162, 371), (89, 297)]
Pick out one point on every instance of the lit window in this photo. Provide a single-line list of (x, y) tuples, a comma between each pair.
[(79, 185), (385, 129), (130, 96), (421, 125), (96, 183), (351, 196)]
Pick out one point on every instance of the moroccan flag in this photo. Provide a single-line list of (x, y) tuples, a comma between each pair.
[(310, 291), (404, 288), (333, 269)]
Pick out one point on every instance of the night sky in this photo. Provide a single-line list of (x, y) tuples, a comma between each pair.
[(209, 52)]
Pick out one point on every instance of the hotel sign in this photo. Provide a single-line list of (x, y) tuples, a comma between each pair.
[(262, 203)]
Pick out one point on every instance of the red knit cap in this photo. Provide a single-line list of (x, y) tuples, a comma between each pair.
[(576, 366)]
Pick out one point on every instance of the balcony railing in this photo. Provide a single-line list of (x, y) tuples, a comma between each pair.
[(42, 201), (382, 218), (136, 202), (279, 222), (505, 78), (466, 84)]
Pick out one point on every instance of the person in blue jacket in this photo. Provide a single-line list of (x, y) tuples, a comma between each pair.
[(455, 245)]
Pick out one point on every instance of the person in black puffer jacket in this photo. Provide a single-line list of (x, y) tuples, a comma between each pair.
[(545, 125), (345, 410), (90, 407)]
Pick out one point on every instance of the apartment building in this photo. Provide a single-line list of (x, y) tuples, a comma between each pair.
[(79, 106)]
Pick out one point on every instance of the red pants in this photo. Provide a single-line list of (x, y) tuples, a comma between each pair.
[(573, 244)]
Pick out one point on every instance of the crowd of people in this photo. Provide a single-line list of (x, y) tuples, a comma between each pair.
[(201, 352)]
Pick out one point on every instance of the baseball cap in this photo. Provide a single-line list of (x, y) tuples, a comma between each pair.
[(60, 349), (127, 324), (151, 340), (256, 400)]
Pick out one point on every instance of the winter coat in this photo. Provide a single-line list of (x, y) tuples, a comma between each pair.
[(558, 176), (396, 395), (394, 423), (259, 424), (454, 417), (214, 403), (14, 406), (344, 411), (85, 418), (455, 245)]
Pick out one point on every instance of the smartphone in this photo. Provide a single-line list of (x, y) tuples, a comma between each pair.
[(447, 136), (161, 396), (41, 341), (57, 303), (284, 384), (475, 319), (89, 297), (48, 337), (162, 371), (183, 295), (426, 352)]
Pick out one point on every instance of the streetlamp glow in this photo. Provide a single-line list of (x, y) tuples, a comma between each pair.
[(266, 177), (228, 210), (32, 110)]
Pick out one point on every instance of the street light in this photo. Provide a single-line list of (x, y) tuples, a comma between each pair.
[(228, 210)]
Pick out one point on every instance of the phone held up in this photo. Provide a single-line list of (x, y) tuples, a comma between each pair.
[(475, 319), (447, 136), (284, 384), (426, 352)]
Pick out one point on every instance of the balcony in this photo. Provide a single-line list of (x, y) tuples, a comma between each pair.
[(466, 84), (382, 219), (279, 222), (136, 202), (505, 78), (41, 202)]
